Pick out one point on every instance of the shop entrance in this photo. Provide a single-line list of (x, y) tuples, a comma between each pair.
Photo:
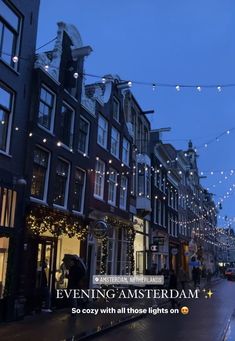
[(46, 252)]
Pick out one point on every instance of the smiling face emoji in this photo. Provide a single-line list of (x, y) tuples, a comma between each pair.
[(184, 310)]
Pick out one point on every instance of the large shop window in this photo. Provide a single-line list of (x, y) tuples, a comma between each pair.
[(66, 125), (99, 179), (7, 207), (112, 187), (61, 183), (10, 25), (123, 192), (4, 245), (46, 108), (115, 142), (83, 136), (40, 174), (102, 136), (6, 100), (66, 247), (123, 260), (79, 190)]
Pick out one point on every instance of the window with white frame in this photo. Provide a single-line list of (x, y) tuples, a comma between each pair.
[(123, 261), (66, 121), (61, 183), (102, 136), (112, 187), (6, 111), (115, 142), (116, 109), (40, 174), (125, 151), (8, 199), (163, 214), (123, 192), (83, 135), (99, 179), (10, 26), (46, 108), (79, 190)]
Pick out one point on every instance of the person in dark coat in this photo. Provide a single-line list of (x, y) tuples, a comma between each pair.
[(173, 285), (76, 274), (45, 292)]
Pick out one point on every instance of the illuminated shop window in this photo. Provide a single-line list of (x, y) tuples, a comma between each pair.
[(4, 245), (7, 207)]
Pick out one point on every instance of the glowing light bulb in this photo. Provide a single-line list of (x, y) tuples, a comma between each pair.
[(75, 75), (199, 89), (15, 59), (177, 88)]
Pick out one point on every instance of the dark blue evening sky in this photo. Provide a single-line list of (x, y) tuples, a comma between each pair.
[(178, 42)]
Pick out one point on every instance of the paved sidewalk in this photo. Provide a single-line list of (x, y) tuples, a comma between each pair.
[(60, 325)]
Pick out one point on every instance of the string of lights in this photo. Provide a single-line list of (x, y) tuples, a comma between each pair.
[(154, 84)]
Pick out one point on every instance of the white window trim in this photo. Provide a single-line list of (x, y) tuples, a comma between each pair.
[(125, 206), (100, 197), (51, 130), (15, 67), (83, 193), (106, 139), (88, 137), (64, 103), (9, 128), (45, 192), (128, 161), (113, 203), (118, 103), (118, 147), (66, 187)]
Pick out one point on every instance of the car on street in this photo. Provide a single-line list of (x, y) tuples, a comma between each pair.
[(230, 274)]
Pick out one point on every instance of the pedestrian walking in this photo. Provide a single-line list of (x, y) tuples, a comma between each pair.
[(196, 275), (75, 277), (44, 288)]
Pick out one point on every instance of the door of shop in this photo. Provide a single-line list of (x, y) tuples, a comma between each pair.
[(46, 264)]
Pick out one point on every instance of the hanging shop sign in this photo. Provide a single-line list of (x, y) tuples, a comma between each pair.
[(154, 248), (99, 229)]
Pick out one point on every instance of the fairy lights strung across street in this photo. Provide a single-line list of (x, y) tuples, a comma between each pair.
[(154, 84)]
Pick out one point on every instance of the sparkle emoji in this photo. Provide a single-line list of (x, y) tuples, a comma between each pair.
[(209, 294), (184, 310)]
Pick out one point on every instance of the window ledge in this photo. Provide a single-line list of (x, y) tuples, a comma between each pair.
[(62, 208), (39, 201), (99, 198), (87, 155), (100, 145), (5, 154), (10, 67), (78, 213), (45, 129)]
